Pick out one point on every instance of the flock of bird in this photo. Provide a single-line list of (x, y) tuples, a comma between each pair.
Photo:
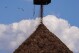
[(22, 9)]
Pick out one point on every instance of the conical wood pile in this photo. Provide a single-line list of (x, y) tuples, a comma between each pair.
[(42, 41)]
